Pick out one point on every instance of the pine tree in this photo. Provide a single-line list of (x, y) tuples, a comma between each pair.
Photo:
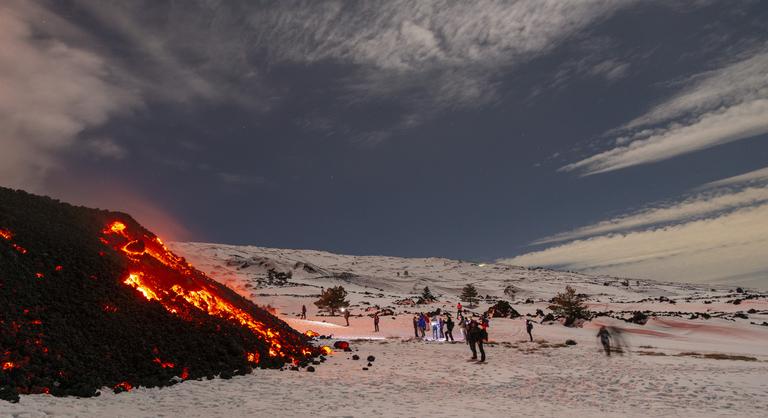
[(570, 305), (427, 296), (332, 299), (469, 294)]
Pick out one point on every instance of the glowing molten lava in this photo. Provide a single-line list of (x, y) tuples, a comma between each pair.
[(161, 276), (124, 386)]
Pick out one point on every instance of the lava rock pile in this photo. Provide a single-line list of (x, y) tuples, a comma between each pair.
[(71, 322)]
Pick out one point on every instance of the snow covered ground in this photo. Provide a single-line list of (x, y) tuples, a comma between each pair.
[(675, 365)]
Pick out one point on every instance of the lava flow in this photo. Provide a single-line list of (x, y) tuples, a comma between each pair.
[(161, 276)]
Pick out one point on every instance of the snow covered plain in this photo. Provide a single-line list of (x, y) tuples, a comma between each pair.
[(675, 365)]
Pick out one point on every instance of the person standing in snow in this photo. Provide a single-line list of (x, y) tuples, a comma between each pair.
[(440, 327), (423, 326), (484, 323), (448, 328), (463, 324), (458, 310), (376, 322), (605, 339), (433, 322), (475, 337), (346, 316), (416, 326), (529, 328), (303, 311)]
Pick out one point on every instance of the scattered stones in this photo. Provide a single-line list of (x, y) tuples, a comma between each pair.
[(570, 342), (371, 358), (311, 369), (355, 357)]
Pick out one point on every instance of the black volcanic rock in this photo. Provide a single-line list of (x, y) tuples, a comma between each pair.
[(70, 325)]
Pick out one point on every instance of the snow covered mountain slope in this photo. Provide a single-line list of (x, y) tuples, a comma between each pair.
[(702, 352), (241, 265)]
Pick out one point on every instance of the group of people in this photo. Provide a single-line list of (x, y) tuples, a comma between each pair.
[(473, 331), (442, 326)]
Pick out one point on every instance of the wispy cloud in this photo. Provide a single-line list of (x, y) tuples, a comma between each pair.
[(753, 177), (717, 234), (707, 250), (51, 93), (75, 71), (429, 56), (695, 207), (713, 108)]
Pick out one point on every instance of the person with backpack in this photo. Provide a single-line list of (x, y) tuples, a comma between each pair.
[(448, 328), (475, 337), (529, 328)]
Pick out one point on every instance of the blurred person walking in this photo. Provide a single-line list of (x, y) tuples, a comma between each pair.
[(605, 340)]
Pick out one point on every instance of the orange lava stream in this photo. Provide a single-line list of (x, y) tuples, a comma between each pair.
[(202, 299)]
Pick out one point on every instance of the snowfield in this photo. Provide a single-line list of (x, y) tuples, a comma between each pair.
[(677, 364)]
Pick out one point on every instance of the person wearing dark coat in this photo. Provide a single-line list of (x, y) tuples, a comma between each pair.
[(529, 328), (475, 337), (376, 322), (416, 326), (448, 328)]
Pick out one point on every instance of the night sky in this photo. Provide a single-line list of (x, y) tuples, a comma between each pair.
[(621, 137)]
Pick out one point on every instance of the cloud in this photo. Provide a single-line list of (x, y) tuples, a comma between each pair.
[(105, 147), (702, 251), (753, 177), (51, 93), (695, 207), (428, 56), (714, 108), (713, 236), (68, 69), (728, 124)]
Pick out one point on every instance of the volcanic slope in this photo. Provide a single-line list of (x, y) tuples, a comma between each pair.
[(89, 298)]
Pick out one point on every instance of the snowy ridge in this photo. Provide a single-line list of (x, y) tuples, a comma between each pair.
[(443, 276)]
